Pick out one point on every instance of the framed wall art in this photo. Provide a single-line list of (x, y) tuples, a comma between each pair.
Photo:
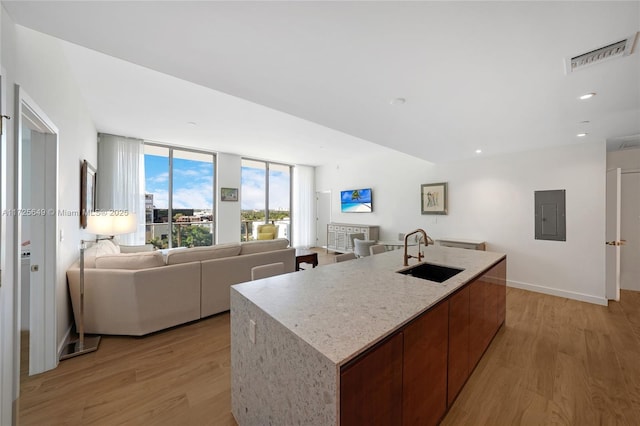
[(228, 194), (87, 191), (434, 198)]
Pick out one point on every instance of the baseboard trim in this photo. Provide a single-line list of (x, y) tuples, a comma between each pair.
[(560, 293), (65, 339)]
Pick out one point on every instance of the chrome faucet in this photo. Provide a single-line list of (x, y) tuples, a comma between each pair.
[(406, 239)]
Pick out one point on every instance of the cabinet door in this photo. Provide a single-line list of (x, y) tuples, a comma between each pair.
[(501, 290), (458, 343), (371, 387), (341, 240), (424, 374), (490, 309), (331, 239), (476, 322), (487, 305)]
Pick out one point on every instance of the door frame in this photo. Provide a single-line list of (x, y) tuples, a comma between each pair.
[(320, 232), (43, 347), (612, 234), (9, 374)]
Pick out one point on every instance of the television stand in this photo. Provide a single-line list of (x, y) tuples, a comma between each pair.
[(338, 235)]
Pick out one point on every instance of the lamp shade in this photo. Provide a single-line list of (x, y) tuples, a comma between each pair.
[(111, 224)]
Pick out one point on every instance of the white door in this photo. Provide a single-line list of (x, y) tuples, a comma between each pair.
[(630, 230), (323, 217), (43, 335), (612, 234)]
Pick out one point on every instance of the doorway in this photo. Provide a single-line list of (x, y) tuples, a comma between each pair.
[(36, 229), (624, 154), (323, 217), (630, 229)]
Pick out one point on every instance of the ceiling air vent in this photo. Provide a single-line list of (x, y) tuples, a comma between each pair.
[(630, 145), (621, 143), (614, 50)]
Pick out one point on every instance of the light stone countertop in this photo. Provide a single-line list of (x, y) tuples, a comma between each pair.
[(344, 308)]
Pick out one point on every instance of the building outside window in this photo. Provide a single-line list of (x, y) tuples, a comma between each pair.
[(180, 196)]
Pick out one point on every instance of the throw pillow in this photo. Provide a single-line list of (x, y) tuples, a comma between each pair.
[(251, 247), (100, 248), (265, 236), (130, 261), (197, 254)]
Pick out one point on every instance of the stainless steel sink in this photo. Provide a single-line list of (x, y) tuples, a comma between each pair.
[(431, 272)]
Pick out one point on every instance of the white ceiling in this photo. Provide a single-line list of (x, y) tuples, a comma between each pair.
[(487, 75)]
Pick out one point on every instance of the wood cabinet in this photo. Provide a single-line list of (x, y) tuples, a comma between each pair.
[(338, 235), (424, 392), (371, 386), (414, 376), (402, 381), (487, 306), (458, 343)]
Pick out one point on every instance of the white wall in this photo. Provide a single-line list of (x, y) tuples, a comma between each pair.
[(228, 176), (42, 71), (492, 199), (394, 179), (628, 161)]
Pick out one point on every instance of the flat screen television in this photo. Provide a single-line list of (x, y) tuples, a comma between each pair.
[(356, 201)]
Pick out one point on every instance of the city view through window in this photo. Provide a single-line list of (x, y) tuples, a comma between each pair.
[(265, 198), (179, 199)]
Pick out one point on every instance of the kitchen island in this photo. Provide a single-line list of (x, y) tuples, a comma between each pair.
[(358, 343)]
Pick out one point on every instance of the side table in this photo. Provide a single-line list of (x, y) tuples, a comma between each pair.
[(306, 256)]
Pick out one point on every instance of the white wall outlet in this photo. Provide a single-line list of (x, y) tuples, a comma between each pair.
[(252, 331)]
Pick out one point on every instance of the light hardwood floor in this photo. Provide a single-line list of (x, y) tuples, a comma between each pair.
[(556, 361)]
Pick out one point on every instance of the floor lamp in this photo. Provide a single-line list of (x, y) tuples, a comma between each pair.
[(99, 225)]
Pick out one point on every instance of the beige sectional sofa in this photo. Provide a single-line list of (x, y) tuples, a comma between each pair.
[(139, 293)]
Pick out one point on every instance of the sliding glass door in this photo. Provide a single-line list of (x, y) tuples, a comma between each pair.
[(266, 198), (179, 197)]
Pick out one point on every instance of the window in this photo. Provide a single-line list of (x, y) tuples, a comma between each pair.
[(266, 198), (179, 197)]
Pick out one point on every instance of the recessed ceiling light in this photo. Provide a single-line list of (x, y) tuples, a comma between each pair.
[(584, 122), (192, 123), (587, 96), (478, 151), (397, 101), (582, 135)]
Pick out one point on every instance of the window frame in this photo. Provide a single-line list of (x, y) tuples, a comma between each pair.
[(266, 190), (214, 159)]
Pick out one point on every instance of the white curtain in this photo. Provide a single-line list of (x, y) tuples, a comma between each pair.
[(120, 180), (303, 207)]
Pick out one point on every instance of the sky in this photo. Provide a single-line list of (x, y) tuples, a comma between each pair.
[(192, 182), (193, 185)]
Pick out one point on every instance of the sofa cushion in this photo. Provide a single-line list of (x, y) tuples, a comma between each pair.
[(197, 254), (130, 261), (250, 247), (101, 248), (136, 249)]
